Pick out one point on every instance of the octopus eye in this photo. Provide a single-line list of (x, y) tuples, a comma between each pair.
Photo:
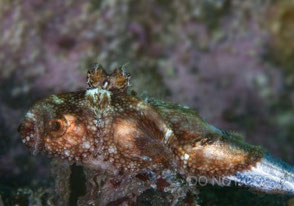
[(57, 127)]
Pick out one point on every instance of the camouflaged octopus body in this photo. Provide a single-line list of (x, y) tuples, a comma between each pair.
[(106, 128)]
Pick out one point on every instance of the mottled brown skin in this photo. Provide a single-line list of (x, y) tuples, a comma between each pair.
[(106, 128), (212, 152)]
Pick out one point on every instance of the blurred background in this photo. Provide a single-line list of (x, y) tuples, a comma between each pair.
[(231, 60)]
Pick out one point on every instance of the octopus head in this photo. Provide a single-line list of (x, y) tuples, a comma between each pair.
[(58, 125)]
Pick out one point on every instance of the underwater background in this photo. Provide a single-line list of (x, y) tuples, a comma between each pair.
[(231, 60)]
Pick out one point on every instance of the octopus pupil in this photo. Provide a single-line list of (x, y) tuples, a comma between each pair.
[(56, 126)]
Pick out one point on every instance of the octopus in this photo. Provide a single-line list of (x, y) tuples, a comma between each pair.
[(141, 143)]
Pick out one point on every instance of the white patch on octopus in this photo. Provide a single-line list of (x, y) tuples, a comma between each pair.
[(98, 94), (167, 135), (93, 128), (142, 105), (86, 145), (112, 149), (30, 115), (186, 157), (66, 152)]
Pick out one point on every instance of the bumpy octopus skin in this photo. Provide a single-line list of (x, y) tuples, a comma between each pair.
[(105, 127)]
